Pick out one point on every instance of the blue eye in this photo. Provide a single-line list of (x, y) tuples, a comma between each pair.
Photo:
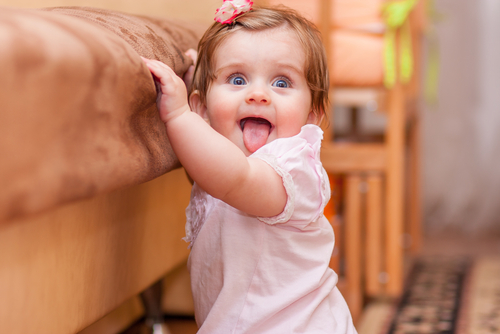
[(237, 81), (281, 83)]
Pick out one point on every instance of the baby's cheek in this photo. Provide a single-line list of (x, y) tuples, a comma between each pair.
[(288, 131), (294, 122), (222, 126)]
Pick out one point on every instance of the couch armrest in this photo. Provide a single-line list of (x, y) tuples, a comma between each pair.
[(78, 110)]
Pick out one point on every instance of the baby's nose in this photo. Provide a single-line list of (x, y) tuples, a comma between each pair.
[(258, 95)]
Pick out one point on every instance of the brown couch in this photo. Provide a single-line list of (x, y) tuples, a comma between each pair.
[(81, 229)]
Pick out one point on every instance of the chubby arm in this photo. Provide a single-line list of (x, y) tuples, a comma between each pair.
[(213, 161)]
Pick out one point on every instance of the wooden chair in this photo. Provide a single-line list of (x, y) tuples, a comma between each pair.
[(381, 205)]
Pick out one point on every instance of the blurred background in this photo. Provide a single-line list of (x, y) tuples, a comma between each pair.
[(461, 137), (201, 11), (460, 113)]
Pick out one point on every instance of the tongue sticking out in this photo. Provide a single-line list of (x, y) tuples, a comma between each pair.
[(255, 133)]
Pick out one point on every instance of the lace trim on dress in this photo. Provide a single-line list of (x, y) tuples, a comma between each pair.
[(289, 188), (195, 215), (316, 146)]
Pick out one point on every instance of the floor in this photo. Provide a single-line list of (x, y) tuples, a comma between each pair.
[(179, 325), (182, 326), (449, 243), (437, 244)]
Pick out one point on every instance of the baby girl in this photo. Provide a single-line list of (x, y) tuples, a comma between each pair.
[(250, 140)]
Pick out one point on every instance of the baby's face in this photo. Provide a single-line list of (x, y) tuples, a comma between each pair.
[(260, 92)]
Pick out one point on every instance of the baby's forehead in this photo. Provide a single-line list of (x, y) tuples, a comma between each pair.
[(275, 33), (274, 44)]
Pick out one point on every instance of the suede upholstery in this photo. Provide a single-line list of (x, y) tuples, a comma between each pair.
[(78, 110)]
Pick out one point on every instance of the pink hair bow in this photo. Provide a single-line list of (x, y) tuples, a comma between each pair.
[(230, 9)]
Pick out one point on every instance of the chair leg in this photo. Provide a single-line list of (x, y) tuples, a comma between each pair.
[(352, 225), (395, 191), (151, 299), (414, 195), (373, 250)]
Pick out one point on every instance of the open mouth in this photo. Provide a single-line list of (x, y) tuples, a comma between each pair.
[(256, 120), (255, 132)]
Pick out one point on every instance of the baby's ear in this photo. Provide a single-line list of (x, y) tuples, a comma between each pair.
[(197, 105)]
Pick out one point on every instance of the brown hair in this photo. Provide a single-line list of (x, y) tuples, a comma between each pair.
[(259, 19)]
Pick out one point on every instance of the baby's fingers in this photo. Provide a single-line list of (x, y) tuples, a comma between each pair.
[(169, 81), (193, 54), (159, 69), (188, 76), (172, 98)]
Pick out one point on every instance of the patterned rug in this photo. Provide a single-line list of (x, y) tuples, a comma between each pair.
[(443, 296)]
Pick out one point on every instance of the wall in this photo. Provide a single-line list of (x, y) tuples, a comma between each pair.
[(461, 132), (199, 10)]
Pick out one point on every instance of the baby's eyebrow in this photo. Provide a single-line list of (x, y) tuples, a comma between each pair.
[(292, 67), (229, 67)]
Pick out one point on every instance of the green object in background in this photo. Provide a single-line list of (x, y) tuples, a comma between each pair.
[(395, 15), (432, 72), (432, 68)]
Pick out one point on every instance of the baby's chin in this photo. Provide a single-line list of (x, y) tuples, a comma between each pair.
[(242, 147)]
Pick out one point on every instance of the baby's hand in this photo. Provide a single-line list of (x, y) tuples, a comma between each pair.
[(188, 76), (172, 97)]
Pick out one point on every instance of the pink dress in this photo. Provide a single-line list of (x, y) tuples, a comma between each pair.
[(269, 275)]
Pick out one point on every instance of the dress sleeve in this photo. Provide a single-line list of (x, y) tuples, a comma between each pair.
[(297, 161)]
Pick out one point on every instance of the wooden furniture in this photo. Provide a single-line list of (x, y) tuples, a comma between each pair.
[(380, 179), (63, 269)]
